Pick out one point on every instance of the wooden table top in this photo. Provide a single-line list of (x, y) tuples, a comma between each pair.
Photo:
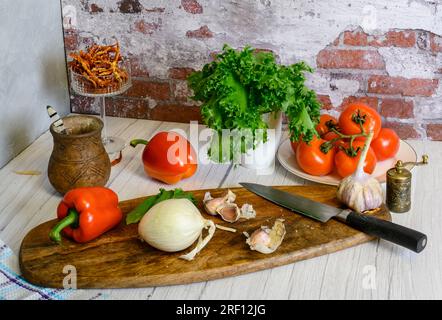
[(375, 270)]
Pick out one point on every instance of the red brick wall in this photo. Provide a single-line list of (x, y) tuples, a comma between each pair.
[(354, 55), (168, 40)]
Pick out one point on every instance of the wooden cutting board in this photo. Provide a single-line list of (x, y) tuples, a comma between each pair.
[(119, 259)]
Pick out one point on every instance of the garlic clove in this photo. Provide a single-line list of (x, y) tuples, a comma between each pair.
[(229, 212), (226, 208), (260, 237), (266, 240), (212, 204), (247, 211)]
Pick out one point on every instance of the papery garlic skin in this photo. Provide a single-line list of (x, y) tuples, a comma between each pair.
[(207, 196), (230, 196), (247, 211), (229, 212), (171, 225), (360, 194)]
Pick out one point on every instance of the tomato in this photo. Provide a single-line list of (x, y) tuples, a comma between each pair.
[(312, 160), (326, 122), (371, 120), (345, 164), (386, 145)]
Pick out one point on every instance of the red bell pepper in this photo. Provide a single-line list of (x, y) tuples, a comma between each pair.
[(168, 157), (86, 213)]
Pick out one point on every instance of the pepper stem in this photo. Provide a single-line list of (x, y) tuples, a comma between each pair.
[(136, 142), (70, 220)]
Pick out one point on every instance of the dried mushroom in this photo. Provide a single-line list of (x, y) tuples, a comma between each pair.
[(266, 240)]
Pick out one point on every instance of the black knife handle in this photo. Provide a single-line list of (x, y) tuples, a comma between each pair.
[(403, 236)]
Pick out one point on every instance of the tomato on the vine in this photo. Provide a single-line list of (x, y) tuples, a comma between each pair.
[(386, 145), (312, 159), (326, 122), (346, 161), (329, 136), (357, 115)]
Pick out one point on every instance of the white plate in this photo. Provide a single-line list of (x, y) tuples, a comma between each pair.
[(287, 158)]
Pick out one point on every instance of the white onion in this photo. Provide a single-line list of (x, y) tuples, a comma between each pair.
[(174, 225)]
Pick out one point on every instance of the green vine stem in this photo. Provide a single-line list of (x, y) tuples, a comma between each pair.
[(326, 146)]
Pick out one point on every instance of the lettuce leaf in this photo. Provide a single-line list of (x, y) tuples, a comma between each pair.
[(238, 87), (139, 211)]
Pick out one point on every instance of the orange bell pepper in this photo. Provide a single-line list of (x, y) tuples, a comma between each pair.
[(168, 157), (86, 213)]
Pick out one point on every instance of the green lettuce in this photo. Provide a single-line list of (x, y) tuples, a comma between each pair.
[(139, 211), (238, 87)]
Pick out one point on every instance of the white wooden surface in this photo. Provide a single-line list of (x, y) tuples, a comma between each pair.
[(26, 201)]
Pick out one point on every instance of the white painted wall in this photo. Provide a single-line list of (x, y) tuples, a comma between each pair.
[(32, 71)]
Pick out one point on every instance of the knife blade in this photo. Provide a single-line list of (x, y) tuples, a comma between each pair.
[(408, 238)]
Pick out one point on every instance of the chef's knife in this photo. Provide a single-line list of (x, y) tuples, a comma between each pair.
[(408, 238)]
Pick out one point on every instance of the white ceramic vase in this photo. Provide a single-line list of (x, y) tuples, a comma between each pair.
[(262, 158)]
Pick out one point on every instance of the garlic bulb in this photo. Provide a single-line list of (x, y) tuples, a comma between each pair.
[(174, 225), (360, 191)]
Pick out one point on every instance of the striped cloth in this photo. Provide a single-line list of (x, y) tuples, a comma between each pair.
[(14, 287)]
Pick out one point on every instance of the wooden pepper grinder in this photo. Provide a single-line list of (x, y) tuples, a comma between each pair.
[(399, 186)]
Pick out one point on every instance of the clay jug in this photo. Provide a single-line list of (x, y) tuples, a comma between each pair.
[(78, 158)]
